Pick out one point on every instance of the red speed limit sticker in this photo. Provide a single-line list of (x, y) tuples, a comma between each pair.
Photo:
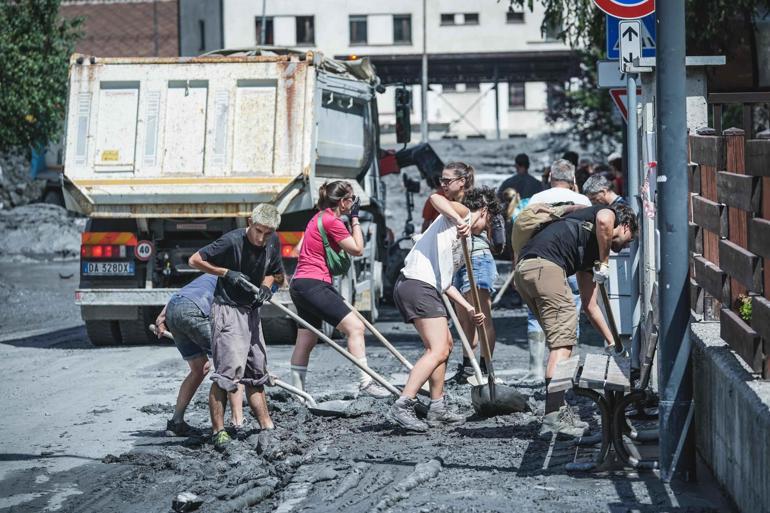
[(144, 250)]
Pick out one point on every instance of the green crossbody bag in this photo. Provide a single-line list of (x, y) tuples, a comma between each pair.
[(337, 262)]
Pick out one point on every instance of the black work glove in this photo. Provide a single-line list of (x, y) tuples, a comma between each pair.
[(498, 234), (355, 207), (233, 278), (262, 296)]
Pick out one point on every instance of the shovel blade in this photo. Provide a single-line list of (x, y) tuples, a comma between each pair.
[(505, 401), (337, 408)]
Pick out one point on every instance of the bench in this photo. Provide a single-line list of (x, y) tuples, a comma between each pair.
[(606, 380)]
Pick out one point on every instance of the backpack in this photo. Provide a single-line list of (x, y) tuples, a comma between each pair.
[(534, 218), (337, 262)]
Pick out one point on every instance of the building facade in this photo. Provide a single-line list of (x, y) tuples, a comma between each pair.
[(490, 68)]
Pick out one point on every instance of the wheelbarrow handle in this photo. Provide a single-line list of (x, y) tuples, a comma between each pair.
[(375, 376), (463, 338), (379, 336)]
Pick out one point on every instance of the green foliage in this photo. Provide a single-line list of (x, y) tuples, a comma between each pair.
[(590, 108), (35, 45), (744, 307)]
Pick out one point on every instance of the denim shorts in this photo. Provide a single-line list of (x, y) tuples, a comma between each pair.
[(484, 273), (534, 326), (191, 329)]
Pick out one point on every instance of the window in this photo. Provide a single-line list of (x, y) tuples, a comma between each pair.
[(305, 31), (514, 16), (202, 32), (516, 96), (468, 18), (448, 88), (448, 19), (402, 29), (552, 29), (471, 87), (358, 30), (268, 31)]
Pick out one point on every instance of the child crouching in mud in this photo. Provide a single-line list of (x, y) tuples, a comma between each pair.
[(428, 271)]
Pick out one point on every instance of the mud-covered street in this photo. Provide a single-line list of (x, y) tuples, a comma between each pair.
[(83, 431)]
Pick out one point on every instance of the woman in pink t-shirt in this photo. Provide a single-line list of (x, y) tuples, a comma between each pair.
[(311, 287)]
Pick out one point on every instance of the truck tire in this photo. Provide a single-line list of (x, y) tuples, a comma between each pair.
[(136, 333), (279, 330), (103, 333)]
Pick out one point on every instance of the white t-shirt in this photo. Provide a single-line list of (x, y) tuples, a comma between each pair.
[(436, 256), (559, 195)]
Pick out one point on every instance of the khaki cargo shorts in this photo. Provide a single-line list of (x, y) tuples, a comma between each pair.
[(543, 286)]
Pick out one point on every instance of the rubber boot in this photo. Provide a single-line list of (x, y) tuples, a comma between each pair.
[(536, 342)]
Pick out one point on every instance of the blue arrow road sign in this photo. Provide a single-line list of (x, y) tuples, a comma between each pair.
[(613, 36)]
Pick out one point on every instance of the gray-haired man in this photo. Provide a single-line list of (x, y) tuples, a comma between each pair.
[(243, 255), (601, 192)]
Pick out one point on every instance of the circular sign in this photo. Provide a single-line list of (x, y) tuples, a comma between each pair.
[(627, 9), (144, 250)]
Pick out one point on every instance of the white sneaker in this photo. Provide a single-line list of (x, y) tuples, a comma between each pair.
[(373, 389)]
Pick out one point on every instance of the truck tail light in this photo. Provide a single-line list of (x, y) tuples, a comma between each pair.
[(290, 243), (96, 245)]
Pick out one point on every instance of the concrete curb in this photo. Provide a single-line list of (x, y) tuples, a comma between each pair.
[(732, 419)]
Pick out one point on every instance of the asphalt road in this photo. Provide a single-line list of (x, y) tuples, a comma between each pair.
[(82, 432)]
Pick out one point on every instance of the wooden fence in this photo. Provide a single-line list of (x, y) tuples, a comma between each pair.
[(730, 239)]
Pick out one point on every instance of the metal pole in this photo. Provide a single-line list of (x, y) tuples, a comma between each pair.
[(263, 24), (424, 83), (677, 454), (497, 106), (632, 186)]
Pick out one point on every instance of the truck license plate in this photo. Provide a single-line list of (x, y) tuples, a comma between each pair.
[(108, 268)]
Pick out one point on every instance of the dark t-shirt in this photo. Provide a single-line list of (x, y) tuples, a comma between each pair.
[(567, 242), (526, 185), (234, 251)]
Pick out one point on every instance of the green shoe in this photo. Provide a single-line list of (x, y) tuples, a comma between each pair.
[(221, 440)]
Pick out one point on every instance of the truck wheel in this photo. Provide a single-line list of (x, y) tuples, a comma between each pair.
[(279, 330), (136, 333), (103, 333)]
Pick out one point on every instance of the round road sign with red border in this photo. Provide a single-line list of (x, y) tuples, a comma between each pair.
[(144, 250), (627, 9)]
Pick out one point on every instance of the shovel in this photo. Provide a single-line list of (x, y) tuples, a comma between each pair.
[(379, 336), (493, 399), (323, 409), (503, 289)]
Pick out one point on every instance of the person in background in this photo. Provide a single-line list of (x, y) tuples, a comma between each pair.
[(522, 182), (615, 160), (429, 214), (572, 157), (583, 171), (562, 191), (600, 191), (186, 317), (312, 289)]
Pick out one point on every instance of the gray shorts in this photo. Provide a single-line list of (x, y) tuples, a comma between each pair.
[(238, 347), (416, 299), (191, 329)]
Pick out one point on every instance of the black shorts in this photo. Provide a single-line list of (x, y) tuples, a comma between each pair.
[(416, 299), (317, 301)]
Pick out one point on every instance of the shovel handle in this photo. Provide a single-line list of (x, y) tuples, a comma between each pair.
[(502, 290), (463, 338), (166, 334), (611, 318), (379, 379), (379, 336), (477, 305), (296, 391)]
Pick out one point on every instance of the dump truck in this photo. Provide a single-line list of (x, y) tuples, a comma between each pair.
[(164, 155)]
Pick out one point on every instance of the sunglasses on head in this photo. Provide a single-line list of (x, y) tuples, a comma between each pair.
[(352, 198)]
